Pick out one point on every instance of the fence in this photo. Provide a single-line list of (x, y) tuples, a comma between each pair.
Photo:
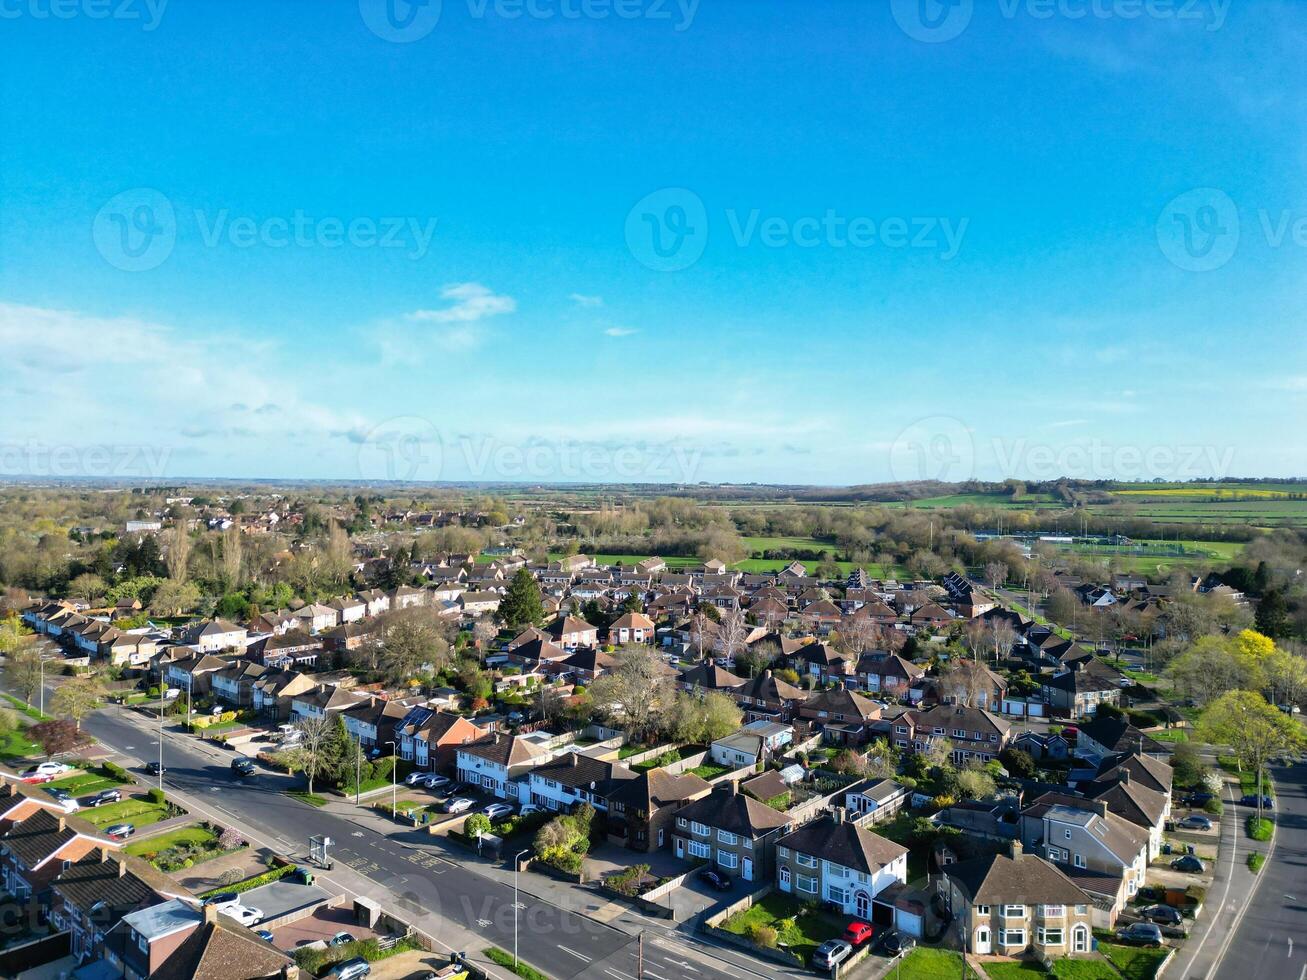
[(713, 927), (689, 762)]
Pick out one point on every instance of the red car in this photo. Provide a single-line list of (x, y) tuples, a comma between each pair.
[(858, 933), (39, 777)]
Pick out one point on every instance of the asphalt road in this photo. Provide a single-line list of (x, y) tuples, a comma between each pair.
[(563, 942), (1270, 940)]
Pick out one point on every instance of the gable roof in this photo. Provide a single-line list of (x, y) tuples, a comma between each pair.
[(657, 788), (841, 701), (844, 843), (712, 677), (504, 750), (222, 949), (726, 809), (583, 772), (1025, 879), (1118, 735)]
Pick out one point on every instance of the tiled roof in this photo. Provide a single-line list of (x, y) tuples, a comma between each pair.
[(844, 843), (726, 809), (1026, 879)]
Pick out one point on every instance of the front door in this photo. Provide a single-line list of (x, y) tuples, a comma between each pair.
[(862, 905), (746, 869), (982, 941), (680, 848), (662, 833), (785, 879)]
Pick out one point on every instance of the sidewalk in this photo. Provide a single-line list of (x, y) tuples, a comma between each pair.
[(1228, 897)]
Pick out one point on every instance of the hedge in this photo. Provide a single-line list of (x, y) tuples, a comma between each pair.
[(314, 961), (1255, 861), (276, 874), (1259, 830), (116, 771), (497, 955)]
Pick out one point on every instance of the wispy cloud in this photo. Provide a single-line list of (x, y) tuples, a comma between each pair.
[(620, 331), (1066, 423), (469, 302), (581, 299)]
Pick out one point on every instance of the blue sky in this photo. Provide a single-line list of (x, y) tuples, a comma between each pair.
[(884, 249)]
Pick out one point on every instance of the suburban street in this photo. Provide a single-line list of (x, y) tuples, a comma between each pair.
[(1270, 940), (450, 902)]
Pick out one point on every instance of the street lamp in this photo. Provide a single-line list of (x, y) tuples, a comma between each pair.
[(394, 787), (162, 701), (517, 864)]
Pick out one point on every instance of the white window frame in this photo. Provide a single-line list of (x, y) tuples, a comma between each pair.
[(703, 830), (699, 849), (726, 837), (727, 859), (1007, 933), (1008, 912)]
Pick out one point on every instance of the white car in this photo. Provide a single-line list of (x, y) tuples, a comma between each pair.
[(172, 693), (243, 914), (496, 810), (435, 781), (458, 805), (413, 778), (49, 769)]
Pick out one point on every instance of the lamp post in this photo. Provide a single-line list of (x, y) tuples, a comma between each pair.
[(394, 787), (358, 768), (161, 703), (517, 864)]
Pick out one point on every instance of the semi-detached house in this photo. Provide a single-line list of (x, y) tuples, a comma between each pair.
[(571, 779), (499, 765), (833, 859), (731, 831)]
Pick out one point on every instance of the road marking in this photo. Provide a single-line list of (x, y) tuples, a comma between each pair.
[(579, 956), (1290, 946), (619, 975), (650, 973)]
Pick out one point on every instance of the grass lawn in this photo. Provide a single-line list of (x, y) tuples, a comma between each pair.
[(930, 964), (312, 799), (1170, 735), (21, 705), (710, 770), (1083, 969), (85, 782), (1247, 778), (1133, 962), (1020, 970), (16, 749), (798, 929), (1255, 861), (138, 811), (183, 835), (1260, 830)]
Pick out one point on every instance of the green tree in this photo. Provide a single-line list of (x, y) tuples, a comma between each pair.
[(1254, 730), (1273, 615), (76, 698)]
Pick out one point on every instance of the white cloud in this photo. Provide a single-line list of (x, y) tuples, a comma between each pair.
[(620, 331), (469, 302), (581, 299)]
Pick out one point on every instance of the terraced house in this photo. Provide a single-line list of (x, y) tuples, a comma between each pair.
[(835, 860)]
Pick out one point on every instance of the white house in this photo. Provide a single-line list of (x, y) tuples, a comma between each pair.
[(499, 764), (561, 783), (835, 860)]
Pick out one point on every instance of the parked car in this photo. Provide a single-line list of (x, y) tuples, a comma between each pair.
[(341, 938), (496, 810), (529, 808), (413, 778), (1250, 799), (716, 879), (1195, 821), (50, 769), (1165, 914), (457, 805), (516, 717), (433, 780), (1196, 799), (36, 777), (1188, 863), (263, 934), (858, 933), (67, 804), (350, 969), (59, 794), (831, 954), (120, 831), (892, 942), (1140, 934), (242, 767), (223, 898), (105, 796), (244, 914)]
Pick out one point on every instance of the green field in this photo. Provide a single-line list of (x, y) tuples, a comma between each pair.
[(137, 811), (16, 748), (929, 964), (85, 783), (1133, 962)]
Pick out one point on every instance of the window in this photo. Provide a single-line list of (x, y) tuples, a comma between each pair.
[(142, 943), (982, 910), (1067, 833), (727, 859), (1050, 937), (1082, 910), (746, 843), (807, 884), (838, 895), (959, 733), (1014, 937), (1014, 911), (726, 837), (1053, 911), (805, 860), (699, 849), (700, 829), (1079, 861), (783, 852)]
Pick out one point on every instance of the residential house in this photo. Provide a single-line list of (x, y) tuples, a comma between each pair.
[(968, 682), (316, 617), (134, 648), (571, 633), (322, 700), (875, 800), (767, 697), (843, 716), (499, 765), (1145, 808), (407, 597), (888, 673), (376, 601), (89, 897), (1097, 839), (568, 780), (1016, 903), (1043, 746), (633, 627), (348, 609), (430, 738), (293, 648), (973, 733), (710, 677), (1079, 689), (347, 637), (1101, 737), (479, 603), (274, 692), (214, 636), (835, 860), (756, 742), (34, 850), (372, 722), (175, 941), (824, 662), (193, 673), (234, 683), (730, 831)]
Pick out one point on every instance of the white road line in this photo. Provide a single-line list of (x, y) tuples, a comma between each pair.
[(579, 956), (650, 973), (619, 975)]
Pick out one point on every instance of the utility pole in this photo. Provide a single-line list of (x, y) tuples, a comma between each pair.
[(161, 704), (358, 768), (639, 971), (394, 787)]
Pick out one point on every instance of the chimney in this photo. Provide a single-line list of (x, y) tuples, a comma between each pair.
[(767, 672), (210, 913), (1101, 806), (290, 972), (1125, 777), (1014, 850), (61, 821), (840, 814)]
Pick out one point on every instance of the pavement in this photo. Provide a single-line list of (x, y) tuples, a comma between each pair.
[(458, 903)]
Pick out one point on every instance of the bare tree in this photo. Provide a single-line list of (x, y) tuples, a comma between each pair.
[(635, 691), (232, 557), (858, 634), (731, 635), (964, 681), (996, 573), (178, 550), (310, 754), (1001, 638)]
